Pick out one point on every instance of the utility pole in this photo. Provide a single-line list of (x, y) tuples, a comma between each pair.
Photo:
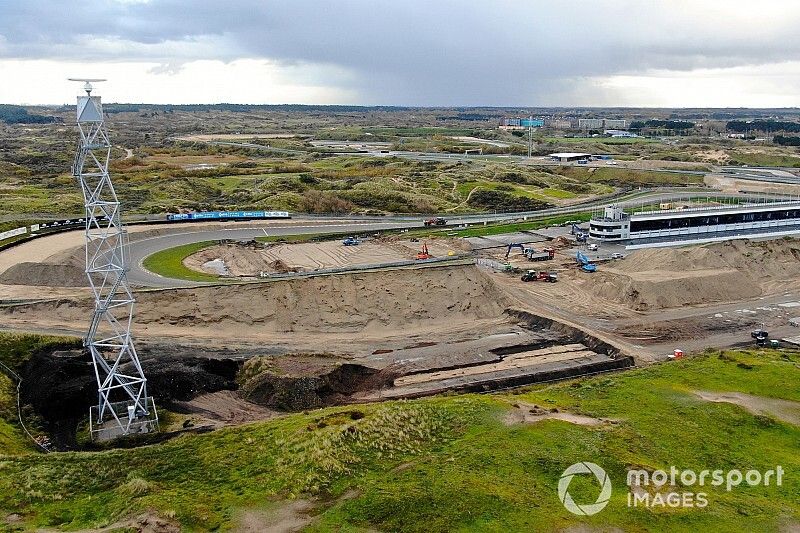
[(530, 136)]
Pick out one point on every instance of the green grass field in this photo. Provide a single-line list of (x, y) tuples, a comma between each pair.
[(499, 229), (764, 160), (169, 263), (452, 462)]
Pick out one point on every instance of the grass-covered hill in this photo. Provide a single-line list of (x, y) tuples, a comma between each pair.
[(469, 463)]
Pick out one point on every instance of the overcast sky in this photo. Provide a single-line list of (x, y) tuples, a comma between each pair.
[(676, 53)]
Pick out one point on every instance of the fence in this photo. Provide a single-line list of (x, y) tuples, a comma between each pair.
[(491, 264), (13, 233), (364, 268)]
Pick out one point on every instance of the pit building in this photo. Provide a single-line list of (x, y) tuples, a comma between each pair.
[(696, 224)]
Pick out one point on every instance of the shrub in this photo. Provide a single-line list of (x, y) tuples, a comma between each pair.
[(503, 201), (323, 202)]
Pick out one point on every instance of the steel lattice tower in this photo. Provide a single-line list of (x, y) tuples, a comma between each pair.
[(123, 406)]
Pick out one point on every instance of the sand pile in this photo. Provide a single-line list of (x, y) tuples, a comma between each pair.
[(239, 260), (63, 269), (734, 270), (374, 302), (44, 274), (281, 267)]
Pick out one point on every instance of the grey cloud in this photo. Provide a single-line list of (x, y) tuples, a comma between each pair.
[(415, 51)]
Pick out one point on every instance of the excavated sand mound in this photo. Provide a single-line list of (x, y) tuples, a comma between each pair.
[(44, 274), (375, 301), (63, 269), (734, 270)]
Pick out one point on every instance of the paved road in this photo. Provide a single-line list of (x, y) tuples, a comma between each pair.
[(140, 249), (790, 176)]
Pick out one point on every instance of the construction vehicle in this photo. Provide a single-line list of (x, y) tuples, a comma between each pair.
[(584, 263), (580, 235), (423, 254), (533, 275), (437, 221), (544, 255), (512, 246), (761, 336), (351, 241)]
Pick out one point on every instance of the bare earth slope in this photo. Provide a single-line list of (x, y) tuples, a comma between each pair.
[(734, 270), (396, 302)]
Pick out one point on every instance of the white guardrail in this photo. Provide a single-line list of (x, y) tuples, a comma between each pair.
[(18, 231)]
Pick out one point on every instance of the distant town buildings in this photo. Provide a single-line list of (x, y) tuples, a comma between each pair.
[(615, 123), (590, 123), (619, 133), (570, 156), (559, 123), (564, 123), (602, 123), (511, 124)]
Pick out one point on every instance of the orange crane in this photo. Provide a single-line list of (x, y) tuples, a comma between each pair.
[(423, 254)]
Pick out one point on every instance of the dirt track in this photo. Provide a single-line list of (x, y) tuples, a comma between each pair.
[(785, 410)]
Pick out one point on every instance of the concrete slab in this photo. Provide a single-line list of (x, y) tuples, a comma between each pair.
[(587, 363), (476, 351), (554, 232)]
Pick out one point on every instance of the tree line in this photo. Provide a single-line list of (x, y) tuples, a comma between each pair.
[(15, 114), (662, 124), (786, 140), (763, 125)]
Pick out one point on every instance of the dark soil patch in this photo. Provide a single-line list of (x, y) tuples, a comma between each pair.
[(60, 386), (325, 387)]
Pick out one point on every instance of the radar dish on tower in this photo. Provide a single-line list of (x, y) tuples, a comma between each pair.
[(88, 83)]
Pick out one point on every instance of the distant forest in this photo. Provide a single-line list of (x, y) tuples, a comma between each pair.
[(665, 124), (786, 140), (14, 114), (763, 125)]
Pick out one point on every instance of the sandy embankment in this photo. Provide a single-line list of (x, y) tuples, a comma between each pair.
[(347, 308), (673, 277)]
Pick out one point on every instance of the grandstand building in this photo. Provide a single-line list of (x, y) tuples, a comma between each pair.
[(697, 224)]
